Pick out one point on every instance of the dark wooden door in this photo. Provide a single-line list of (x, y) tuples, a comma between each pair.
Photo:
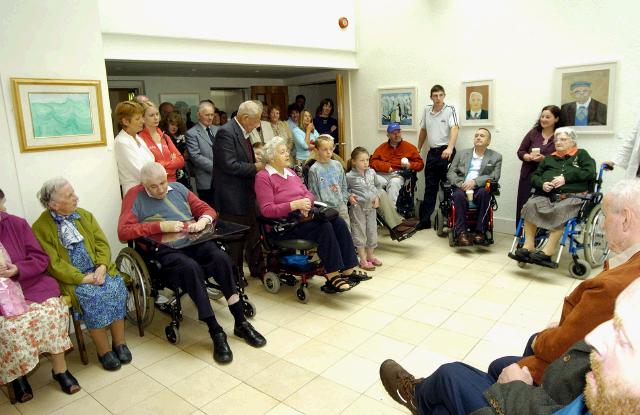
[(272, 95)]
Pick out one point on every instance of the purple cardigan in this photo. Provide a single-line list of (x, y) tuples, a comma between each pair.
[(274, 193), (25, 252)]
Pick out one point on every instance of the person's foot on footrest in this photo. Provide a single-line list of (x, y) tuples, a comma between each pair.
[(540, 256), (478, 238), (464, 240), (522, 253)]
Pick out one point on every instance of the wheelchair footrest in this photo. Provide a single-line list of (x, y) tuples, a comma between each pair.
[(546, 264)]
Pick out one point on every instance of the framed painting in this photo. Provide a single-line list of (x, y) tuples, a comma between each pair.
[(586, 96), (54, 114), (183, 103), (397, 105), (478, 98)]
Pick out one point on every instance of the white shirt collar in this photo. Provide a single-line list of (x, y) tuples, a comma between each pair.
[(244, 132), (624, 256), (149, 194), (205, 128), (271, 170), (586, 104), (476, 156)]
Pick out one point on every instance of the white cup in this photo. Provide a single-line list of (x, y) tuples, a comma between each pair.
[(470, 195), (535, 151), (404, 162)]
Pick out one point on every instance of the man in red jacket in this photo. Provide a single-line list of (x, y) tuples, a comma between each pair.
[(154, 207), (393, 156)]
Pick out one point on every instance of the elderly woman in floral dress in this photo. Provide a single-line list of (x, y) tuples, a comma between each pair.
[(81, 262), (43, 327)]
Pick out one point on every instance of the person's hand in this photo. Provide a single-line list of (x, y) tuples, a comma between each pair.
[(405, 163), (89, 278), (168, 226), (390, 169), (197, 226), (353, 200), (446, 154), (303, 205), (9, 271), (100, 274), (468, 185), (376, 203), (547, 186), (310, 127), (527, 157), (514, 372), (259, 165), (609, 163), (558, 181), (537, 157)]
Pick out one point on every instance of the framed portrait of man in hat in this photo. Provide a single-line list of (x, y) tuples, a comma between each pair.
[(586, 94)]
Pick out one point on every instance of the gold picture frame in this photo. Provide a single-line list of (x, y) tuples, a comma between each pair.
[(58, 114)]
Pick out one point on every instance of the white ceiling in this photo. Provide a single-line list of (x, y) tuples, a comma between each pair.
[(213, 70)]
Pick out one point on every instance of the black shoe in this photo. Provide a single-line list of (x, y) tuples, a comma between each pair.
[(109, 361), (246, 331), (221, 351), (123, 353), (540, 256), (67, 382), (21, 390), (522, 252), (423, 225)]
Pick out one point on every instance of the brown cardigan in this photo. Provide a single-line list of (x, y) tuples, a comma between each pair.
[(589, 305)]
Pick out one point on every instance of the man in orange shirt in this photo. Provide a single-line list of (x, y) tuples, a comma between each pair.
[(393, 156)]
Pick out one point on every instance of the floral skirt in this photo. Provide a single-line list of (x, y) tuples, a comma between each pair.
[(42, 329), (102, 304)]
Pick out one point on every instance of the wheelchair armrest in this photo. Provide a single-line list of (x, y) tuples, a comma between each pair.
[(277, 225)]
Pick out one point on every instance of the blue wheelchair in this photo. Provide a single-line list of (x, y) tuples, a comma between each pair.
[(583, 233)]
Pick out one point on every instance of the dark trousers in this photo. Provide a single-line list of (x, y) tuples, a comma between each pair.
[(455, 388), (250, 245), (188, 268), (335, 246), (482, 199), (496, 367), (435, 172)]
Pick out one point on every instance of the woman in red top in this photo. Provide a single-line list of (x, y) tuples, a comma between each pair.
[(163, 149)]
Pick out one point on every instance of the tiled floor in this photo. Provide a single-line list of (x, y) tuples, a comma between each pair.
[(427, 305)]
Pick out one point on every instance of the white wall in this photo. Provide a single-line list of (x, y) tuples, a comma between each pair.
[(516, 43), (66, 44)]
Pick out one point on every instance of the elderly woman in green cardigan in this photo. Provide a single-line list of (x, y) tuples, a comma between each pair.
[(81, 262)]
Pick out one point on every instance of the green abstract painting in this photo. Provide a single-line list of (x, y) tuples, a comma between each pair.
[(60, 114)]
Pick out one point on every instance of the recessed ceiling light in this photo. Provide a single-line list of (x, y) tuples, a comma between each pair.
[(256, 71), (194, 70)]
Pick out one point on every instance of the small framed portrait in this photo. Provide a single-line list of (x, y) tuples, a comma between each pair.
[(397, 105), (478, 98), (55, 114), (586, 96)]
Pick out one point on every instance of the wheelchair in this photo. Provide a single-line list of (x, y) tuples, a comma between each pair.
[(138, 261), (405, 205), (583, 233), (445, 217)]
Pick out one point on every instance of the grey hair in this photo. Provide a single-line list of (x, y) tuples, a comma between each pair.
[(475, 93), (568, 131), (49, 188), (250, 108), (151, 170), (625, 193), (205, 104), (269, 149)]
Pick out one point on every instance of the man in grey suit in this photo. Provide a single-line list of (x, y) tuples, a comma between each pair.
[(234, 173), (199, 140), (469, 171)]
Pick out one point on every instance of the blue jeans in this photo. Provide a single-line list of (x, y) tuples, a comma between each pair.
[(496, 367)]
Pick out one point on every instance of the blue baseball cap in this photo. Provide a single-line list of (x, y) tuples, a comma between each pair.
[(393, 126), (579, 83)]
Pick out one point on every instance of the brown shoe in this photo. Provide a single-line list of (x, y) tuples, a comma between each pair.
[(412, 222), (399, 384), (463, 239), (478, 238)]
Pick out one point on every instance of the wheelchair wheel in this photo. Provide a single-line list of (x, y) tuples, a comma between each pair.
[(522, 264), (595, 244), (130, 263), (271, 282), (173, 333), (303, 294), (580, 269), (438, 223), (248, 308)]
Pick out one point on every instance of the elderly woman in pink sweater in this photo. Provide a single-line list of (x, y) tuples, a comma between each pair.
[(280, 193)]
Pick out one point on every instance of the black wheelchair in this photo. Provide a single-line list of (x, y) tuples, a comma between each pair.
[(445, 217), (584, 233), (139, 263)]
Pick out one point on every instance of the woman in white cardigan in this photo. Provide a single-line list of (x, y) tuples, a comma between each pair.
[(131, 151), (628, 156)]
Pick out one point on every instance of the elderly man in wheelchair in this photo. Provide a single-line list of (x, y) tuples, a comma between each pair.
[(561, 182), (154, 207), (469, 173)]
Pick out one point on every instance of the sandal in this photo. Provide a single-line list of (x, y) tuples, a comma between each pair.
[(366, 265), (20, 390), (357, 277), (67, 382), (375, 261), (336, 284)]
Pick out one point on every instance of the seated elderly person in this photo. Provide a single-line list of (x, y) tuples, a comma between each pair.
[(469, 171), (154, 207), (280, 193), (81, 262), (566, 172), (42, 327), (392, 156)]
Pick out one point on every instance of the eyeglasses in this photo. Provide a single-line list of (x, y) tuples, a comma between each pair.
[(582, 91)]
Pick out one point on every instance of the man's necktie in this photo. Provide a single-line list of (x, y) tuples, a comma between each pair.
[(581, 116), (252, 155), (210, 133)]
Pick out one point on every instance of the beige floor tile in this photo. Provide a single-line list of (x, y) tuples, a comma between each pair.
[(407, 330), (369, 406), (382, 283), (463, 287), (8, 409), (242, 399), (336, 307), (247, 360), (315, 356), (127, 392), (49, 398), (282, 314), (204, 386), (282, 341), (380, 395), (322, 397), (283, 409), (486, 352), (163, 403), (281, 379), (413, 264), (354, 372), (311, 324), (392, 304), (445, 299), (410, 291), (484, 308), (152, 351), (399, 274), (474, 275), (497, 295), (370, 319), (449, 343), (4, 397), (421, 362), (442, 270), (94, 377), (379, 347), (508, 334), (173, 368), (427, 314), (428, 280), (468, 324), (345, 336), (487, 266)]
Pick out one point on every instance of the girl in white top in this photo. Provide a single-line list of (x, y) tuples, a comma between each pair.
[(131, 151)]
